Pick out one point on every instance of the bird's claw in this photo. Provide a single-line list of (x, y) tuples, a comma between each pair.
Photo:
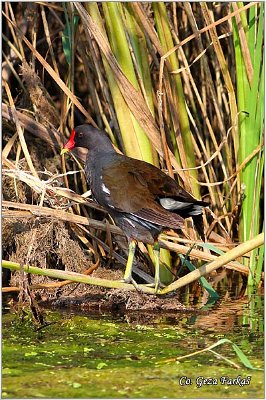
[(156, 285), (130, 280)]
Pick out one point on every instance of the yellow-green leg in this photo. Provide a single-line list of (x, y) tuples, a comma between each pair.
[(156, 251), (128, 272)]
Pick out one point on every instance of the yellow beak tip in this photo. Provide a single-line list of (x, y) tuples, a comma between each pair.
[(63, 151)]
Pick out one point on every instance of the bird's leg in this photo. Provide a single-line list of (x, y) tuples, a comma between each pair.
[(128, 272), (156, 251)]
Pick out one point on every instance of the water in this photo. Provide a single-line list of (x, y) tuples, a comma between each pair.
[(134, 356)]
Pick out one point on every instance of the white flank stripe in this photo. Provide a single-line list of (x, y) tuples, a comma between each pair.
[(105, 189)]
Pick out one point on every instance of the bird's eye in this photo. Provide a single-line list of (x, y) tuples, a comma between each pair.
[(80, 134)]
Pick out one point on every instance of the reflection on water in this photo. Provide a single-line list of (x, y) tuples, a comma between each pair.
[(232, 314), (224, 316)]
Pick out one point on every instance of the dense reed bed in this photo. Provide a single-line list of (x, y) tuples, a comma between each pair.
[(180, 85)]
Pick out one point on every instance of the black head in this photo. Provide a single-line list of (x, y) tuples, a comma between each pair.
[(89, 137)]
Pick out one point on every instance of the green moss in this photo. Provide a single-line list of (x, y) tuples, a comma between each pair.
[(86, 357)]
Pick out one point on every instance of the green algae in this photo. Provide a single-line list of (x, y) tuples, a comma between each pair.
[(79, 356)]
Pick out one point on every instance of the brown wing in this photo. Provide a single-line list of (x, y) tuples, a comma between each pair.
[(130, 192), (159, 183)]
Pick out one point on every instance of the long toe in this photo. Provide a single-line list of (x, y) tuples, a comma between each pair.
[(130, 280), (157, 286)]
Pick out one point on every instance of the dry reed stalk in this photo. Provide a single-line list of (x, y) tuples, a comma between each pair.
[(219, 262), (131, 95), (20, 131), (76, 219), (74, 277), (53, 74)]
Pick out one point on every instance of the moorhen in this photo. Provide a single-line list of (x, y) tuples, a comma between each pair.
[(141, 198)]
